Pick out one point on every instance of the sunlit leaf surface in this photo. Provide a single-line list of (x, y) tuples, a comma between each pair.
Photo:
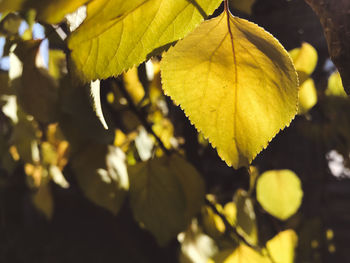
[(279, 193), (282, 246), (238, 89), (119, 34)]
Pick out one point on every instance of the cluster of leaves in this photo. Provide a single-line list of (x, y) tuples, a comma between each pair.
[(234, 81)]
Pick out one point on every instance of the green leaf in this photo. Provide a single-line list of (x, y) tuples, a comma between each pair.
[(282, 246), (102, 175), (165, 194), (118, 34), (238, 89), (245, 217), (242, 254), (279, 193)]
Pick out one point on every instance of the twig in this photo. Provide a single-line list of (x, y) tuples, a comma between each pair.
[(233, 230), (141, 118)]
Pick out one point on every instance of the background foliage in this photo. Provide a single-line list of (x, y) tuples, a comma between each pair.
[(151, 188)]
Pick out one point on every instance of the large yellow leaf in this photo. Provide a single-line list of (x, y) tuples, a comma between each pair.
[(165, 194), (119, 34), (279, 193), (236, 84), (282, 246)]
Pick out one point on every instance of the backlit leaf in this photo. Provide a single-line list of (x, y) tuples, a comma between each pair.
[(335, 86), (282, 246), (119, 34), (239, 91), (307, 96), (165, 194), (305, 60), (279, 193)]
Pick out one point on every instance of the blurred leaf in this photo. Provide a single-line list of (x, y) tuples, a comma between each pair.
[(133, 85), (10, 5), (53, 11), (165, 194), (10, 24), (214, 77), (244, 6), (282, 246), (102, 175), (307, 96), (230, 211), (49, 11), (335, 86), (279, 193), (246, 219), (38, 92), (4, 84), (196, 247), (213, 224), (242, 254), (25, 138), (57, 63), (43, 200), (118, 34), (305, 60)]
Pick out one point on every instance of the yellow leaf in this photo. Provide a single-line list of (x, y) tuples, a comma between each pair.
[(213, 224), (238, 89), (244, 6), (282, 246), (307, 96), (133, 85), (279, 193), (49, 11), (53, 11), (335, 86), (119, 34), (305, 60), (230, 211), (242, 254), (165, 194)]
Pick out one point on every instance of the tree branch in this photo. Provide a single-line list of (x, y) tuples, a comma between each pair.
[(335, 19)]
